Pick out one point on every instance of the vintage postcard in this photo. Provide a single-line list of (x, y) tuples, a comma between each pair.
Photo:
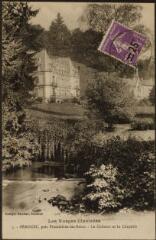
[(78, 114)]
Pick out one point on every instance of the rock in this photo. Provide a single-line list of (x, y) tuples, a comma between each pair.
[(50, 200), (63, 203), (58, 200), (60, 197), (74, 200), (54, 203), (71, 208)]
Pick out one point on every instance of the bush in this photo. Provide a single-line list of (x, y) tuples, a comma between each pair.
[(72, 100), (143, 124), (52, 100), (132, 175), (111, 99), (120, 175), (39, 99), (20, 145), (63, 204), (82, 134), (75, 100), (102, 191), (67, 100)]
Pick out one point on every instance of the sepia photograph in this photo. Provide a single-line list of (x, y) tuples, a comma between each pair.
[(78, 120)]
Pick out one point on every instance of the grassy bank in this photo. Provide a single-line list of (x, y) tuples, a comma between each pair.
[(76, 111), (62, 111)]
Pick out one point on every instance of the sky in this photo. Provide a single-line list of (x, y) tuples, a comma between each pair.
[(71, 12)]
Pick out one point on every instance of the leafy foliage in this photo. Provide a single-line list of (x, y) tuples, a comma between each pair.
[(84, 47), (111, 99), (18, 61), (102, 191), (129, 167), (19, 142), (99, 17), (120, 174), (18, 66), (141, 124)]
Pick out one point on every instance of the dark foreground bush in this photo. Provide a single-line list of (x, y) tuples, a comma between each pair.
[(143, 125), (74, 205), (123, 176)]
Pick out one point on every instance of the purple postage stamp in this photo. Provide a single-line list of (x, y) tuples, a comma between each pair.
[(122, 43)]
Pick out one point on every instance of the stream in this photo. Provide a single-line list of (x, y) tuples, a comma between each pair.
[(31, 173)]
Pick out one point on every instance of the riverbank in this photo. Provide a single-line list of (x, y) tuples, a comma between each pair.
[(26, 211), (29, 195)]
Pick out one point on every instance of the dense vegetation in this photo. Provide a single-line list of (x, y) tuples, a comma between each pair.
[(17, 67), (132, 168), (120, 174), (111, 99), (143, 124)]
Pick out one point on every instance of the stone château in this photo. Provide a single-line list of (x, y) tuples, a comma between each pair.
[(57, 78)]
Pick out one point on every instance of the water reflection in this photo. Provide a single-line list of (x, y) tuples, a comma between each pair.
[(29, 174)]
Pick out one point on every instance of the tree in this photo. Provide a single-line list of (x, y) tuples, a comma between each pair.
[(17, 72), (59, 38), (152, 95), (33, 37), (98, 17), (18, 55), (84, 46), (111, 99)]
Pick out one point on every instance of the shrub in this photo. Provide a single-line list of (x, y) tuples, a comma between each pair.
[(52, 100), (75, 100), (19, 141), (143, 124), (111, 99), (39, 99), (67, 100), (133, 162), (72, 100), (102, 191)]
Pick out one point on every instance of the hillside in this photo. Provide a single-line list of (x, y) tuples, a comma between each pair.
[(55, 110)]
